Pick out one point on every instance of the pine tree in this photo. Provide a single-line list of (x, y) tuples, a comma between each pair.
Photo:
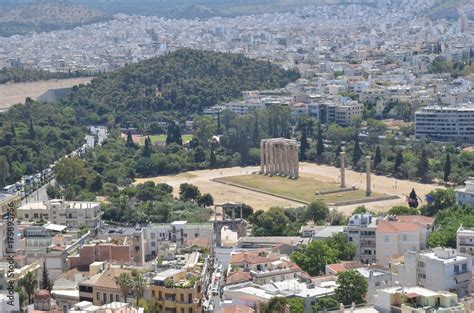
[(423, 166), (377, 157), (357, 154), (177, 135), (447, 168), (46, 282), (31, 131), (304, 145), (398, 162), (169, 134), (129, 139), (320, 143), (12, 130)]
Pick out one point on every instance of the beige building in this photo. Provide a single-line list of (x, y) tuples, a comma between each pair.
[(396, 235), (73, 214), (416, 300)]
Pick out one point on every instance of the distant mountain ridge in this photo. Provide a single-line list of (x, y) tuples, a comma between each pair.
[(44, 15)]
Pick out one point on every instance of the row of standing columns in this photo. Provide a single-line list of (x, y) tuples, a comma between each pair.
[(368, 165), (279, 157)]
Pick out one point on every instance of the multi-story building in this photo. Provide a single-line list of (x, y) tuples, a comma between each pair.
[(417, 299), (101, 287), (125, 239), (395, 235), (465, 195), (73, 214), (178, 232), (437, 269), (346, 112), (451, 123), (361, 232), (465, 240)]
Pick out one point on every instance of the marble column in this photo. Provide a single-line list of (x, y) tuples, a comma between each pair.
[(290, 161), (262, 157), (368, 162), (295, 156), (272, 158), (342, 155), (267, 158), (285, 160), (280, 158)]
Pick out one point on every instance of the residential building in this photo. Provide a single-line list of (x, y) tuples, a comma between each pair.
[(177, 290), (449, 123), (437, 269), (73, 214), (465, 240), (101, 288), (395, 235), (416, 300), (465, 195), (346, 112), (360, 231), (178, 232), (121, 238), (269, 242)]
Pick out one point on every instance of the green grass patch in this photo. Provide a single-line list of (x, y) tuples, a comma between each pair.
[(162, 138), (304, 188)]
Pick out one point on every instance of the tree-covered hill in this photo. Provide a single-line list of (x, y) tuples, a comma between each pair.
[(182, 83)]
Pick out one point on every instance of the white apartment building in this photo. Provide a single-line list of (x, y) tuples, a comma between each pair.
[(437, 269), (450, 123), (465, 195), (465, 240), (245, 107), (73, 214), (347, 111), (177, 232), (361, 232)]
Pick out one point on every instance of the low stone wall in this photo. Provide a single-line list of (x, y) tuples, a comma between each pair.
[(365, 200), (325, 192)]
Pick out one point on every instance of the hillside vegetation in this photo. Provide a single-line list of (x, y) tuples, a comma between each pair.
[(181, 83)]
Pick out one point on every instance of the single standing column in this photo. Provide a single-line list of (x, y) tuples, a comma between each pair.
[(262, 157), (297, 167), (367, 168), (285, 160), (342, 155), (267, 158)]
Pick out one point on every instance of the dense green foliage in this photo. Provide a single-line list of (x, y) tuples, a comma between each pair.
[(33, 135), (352, 287), (20, 75), (314, 257), (181, 83)]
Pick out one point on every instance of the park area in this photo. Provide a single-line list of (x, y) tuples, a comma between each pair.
[(157, 138), (303, 189)]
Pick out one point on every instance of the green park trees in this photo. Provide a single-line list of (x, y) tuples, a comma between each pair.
[(352, 287)]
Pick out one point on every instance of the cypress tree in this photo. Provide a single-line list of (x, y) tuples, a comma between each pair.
[(129, 139), (255, 133), (213, 159), (31, 131), (357, 154), (377, 157), (12, 130), (320, 143), (219, 128), (447, 168), (147, 148), (46, 283), (398, 162), (303, 145), (177, 135), (169, 134), (270, 126), (423, 166)]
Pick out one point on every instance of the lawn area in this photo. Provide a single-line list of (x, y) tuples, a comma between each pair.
[(162, 138), (304, 188)]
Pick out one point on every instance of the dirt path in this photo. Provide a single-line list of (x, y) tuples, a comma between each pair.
[(223, 193), (16, 93)]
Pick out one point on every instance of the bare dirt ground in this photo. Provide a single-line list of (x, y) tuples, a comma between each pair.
[(16, 93), (224, 193)]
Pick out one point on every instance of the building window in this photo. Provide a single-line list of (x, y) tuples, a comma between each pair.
[(405, 237), (456, 269), (117, 298), (98, 296), (385, 238), (350, 238), (181, 297), (111, 298), (464, 267)]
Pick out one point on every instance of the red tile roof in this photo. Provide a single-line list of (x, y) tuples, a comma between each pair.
[(404, 223), (238, 277), (237, 309)]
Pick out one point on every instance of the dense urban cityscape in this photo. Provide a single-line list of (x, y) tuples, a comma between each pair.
[(260, 156)]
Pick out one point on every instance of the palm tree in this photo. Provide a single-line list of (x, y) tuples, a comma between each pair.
[(138, 285), (30, 283), (124, 280)]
